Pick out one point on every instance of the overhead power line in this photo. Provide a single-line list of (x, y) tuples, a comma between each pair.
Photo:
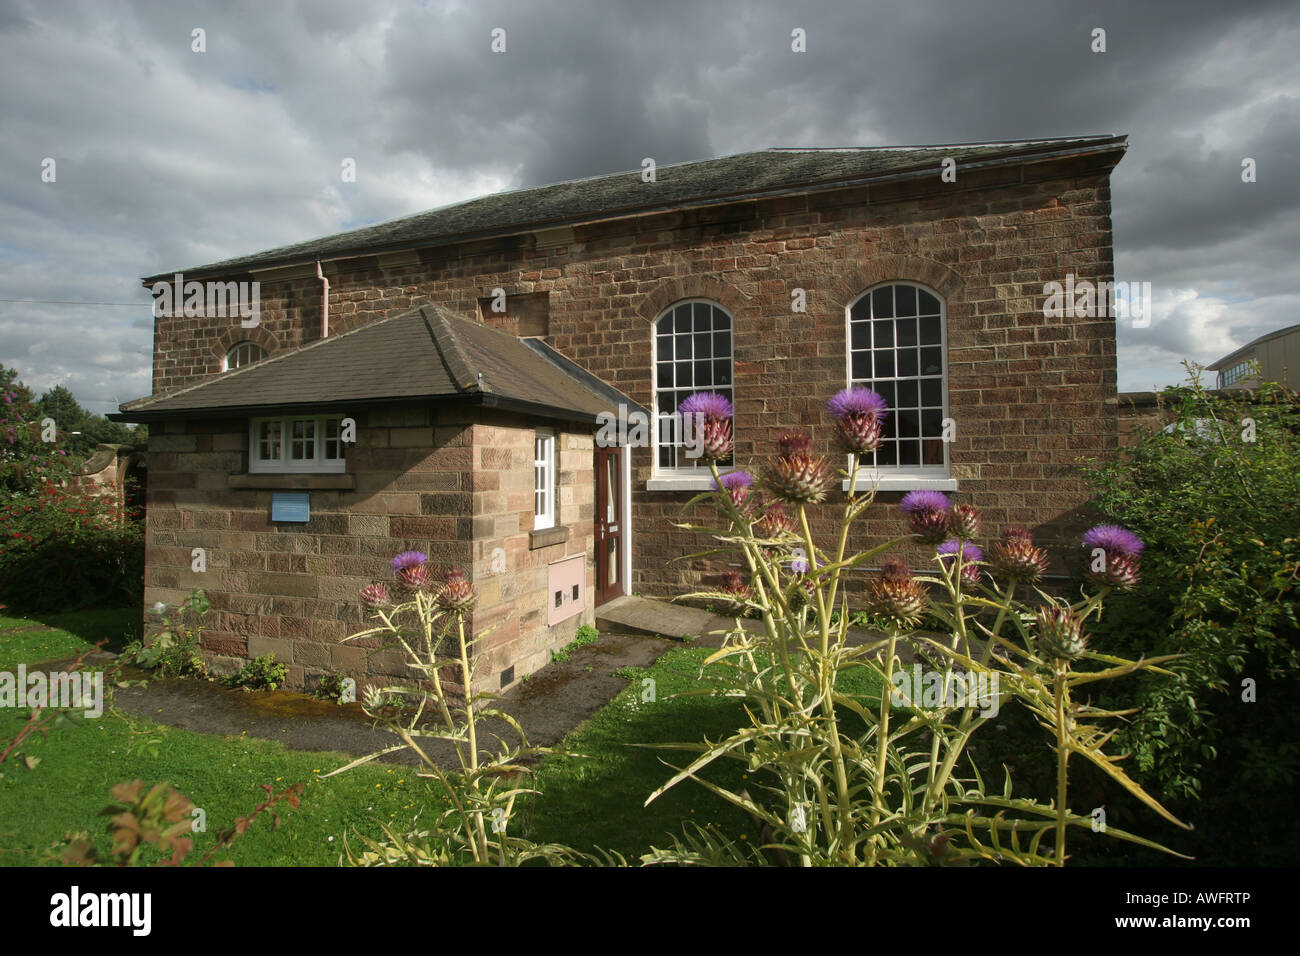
[(134, 305)]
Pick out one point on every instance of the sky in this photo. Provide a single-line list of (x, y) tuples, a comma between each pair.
[(167, 157)]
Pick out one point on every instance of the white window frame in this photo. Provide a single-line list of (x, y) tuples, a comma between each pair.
[(317, 464), (545, 469), (694, 476), (235, 349), (902, 477)]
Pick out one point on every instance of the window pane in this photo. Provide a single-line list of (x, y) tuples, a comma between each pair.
[(861, 365), (928, 304), (682, 318), (930, 334), (884, 365), (931, 361), (908, 394), (664, 347), (703, 317), (932, 423), (860, 335), (905, 299), (887, 454), (906, 332), (665, 379), (882, 302), (932, 392), (909, 453), (721, 372), (886, 390), (703, 345), (684, 377), (906, 362), (884, 333), (909, 424)]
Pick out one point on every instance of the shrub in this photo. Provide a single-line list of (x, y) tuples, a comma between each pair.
[(1215, 497), (176, 649)]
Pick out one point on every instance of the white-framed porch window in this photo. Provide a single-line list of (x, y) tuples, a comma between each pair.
[(544, 470), (296, 443)]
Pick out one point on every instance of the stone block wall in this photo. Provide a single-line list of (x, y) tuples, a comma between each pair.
[(291, 589)]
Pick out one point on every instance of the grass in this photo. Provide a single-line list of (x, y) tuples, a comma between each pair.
[(597, 802), (585, 802), (28, 640)]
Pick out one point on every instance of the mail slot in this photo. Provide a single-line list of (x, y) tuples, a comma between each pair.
[(565, 583)]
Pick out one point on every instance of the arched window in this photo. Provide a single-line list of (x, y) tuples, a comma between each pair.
[(244, 353), (692, 353), (898, 347)]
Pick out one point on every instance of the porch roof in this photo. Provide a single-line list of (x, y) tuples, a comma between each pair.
[(426, 354)]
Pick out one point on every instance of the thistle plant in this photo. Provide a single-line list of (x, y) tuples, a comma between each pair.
[(886, 777), (427, 617)]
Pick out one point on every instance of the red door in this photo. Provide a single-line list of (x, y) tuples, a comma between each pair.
[(609, 515)]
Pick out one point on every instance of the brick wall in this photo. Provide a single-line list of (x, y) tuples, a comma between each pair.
[(1028, 393)]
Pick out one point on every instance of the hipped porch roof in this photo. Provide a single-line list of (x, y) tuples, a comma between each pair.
[(424, 355)]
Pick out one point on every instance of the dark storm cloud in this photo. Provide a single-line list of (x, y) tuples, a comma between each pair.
[(169, 158)]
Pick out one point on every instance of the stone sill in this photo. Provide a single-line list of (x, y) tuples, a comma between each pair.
[(547, 537), (680, 483), (294, 482), (902, 483)]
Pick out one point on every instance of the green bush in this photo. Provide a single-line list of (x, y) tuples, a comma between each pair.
[(1215, 499), (62, 548), (177, 649), (262, 673)]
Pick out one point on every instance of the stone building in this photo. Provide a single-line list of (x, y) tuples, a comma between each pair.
[(474, 348)]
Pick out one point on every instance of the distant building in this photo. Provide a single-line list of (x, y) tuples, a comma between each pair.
[(1278, 357)]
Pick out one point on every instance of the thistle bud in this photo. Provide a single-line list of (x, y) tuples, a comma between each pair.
[(964, 522), (1017, 558), (896, 595), (1060, 632)]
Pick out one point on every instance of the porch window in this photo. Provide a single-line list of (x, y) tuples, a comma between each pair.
[(897, 347), (543, 480), (692, 352), (298, 443)]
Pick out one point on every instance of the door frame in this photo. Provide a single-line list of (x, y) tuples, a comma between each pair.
[(623, 587)]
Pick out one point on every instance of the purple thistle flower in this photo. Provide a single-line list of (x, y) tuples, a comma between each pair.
[(735, 479), (857, 401), (917, 502), (1113, 539), (969, 552), (409, 559), (711, 405)]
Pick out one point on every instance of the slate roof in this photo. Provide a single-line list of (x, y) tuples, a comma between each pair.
[(426, 354), (769, 172)]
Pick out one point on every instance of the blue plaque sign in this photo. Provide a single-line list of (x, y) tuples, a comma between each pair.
[(290, 506)]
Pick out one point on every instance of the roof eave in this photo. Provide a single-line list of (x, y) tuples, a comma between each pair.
[(483, 399)]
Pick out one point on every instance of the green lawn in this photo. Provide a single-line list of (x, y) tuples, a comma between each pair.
[(584, 802)]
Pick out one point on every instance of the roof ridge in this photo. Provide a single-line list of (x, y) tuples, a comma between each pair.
[(450, 350)]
